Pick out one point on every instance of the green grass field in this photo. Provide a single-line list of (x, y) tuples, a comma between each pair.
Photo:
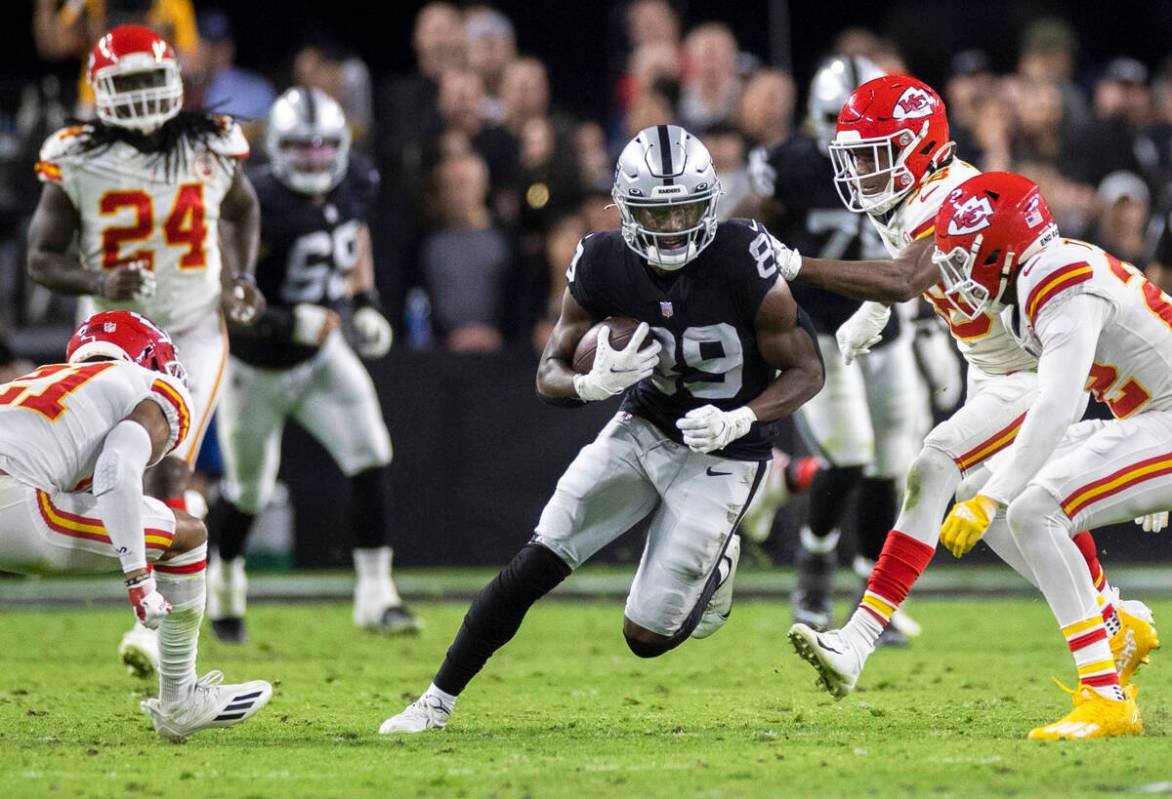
[(566, 711)]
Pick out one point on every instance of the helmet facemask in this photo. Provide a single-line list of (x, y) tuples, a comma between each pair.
[(669, 231), (311, 165), (138, 99), (964, 292), (871, 174)]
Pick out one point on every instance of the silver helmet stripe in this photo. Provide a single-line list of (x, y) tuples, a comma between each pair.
[(310, 107)]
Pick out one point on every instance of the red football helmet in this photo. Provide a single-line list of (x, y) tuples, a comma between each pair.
[(987, 227), (135, 78), (892, 131), (125, 336)]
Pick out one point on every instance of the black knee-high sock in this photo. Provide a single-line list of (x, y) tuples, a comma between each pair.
[(370, 510), (878, 508), (496, 614), (828, 497), (228, 527)]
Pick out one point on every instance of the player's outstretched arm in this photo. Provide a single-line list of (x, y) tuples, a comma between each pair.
[(889, 280), (239, 243), (54, 225), (555, 375), (788, 346), (133, 443)]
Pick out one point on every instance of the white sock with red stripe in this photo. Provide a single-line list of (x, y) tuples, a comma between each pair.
[(183, 581), (1087, 640)]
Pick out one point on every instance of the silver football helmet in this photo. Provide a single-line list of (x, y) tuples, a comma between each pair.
[(307, 140), (833, 83), (666, 191)]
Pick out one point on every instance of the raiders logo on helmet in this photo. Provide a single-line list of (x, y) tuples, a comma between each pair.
[(914, 103), (971, 215)]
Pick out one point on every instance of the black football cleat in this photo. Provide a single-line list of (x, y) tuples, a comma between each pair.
[(230, 630)]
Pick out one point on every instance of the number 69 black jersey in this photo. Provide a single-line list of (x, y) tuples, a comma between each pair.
[(307, 250), (704, 315)]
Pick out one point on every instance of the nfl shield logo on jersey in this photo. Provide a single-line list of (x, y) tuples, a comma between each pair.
[(666, 309)]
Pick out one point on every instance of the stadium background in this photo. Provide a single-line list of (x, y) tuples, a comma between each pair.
[(476, 452)]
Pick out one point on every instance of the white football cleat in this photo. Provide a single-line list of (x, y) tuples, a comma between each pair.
[(720, 606), (139, 650), (428, 712), (210, 704), (839, 663), (378, 607)]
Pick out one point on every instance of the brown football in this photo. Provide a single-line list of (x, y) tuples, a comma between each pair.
[(621, 330)]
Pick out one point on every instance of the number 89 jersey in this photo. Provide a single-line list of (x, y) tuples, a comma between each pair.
[(704, 315), (308, 249), (135, 206)]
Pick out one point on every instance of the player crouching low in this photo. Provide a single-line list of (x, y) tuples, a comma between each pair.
[(732, 352), (75, 439)]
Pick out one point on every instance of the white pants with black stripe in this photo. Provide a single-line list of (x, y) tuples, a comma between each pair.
[(629, 471)]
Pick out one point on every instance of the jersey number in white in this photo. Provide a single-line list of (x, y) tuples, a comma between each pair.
[(706, 362), (319, 263)]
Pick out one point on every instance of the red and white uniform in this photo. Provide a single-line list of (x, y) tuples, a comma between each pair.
[(1002, 383), (134, 207), (1099, 325), (53, 425)]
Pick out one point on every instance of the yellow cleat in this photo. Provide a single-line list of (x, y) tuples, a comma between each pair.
[(1094, 716), (1133, 641)]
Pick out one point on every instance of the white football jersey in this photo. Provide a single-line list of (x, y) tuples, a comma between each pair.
[(984, 342), (54, 420), (132, 207), (1132, 370)]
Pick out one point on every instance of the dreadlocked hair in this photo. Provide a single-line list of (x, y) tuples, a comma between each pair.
[(166, 143)]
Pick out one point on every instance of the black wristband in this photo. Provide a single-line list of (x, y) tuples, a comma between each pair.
[(367, 299)]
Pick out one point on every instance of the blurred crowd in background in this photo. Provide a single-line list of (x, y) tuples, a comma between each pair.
[(488, 182)]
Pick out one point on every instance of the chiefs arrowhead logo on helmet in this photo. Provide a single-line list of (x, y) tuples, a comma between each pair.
[(914, 103), (971, 215)]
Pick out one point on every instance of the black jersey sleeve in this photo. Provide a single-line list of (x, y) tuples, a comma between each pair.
[(583, 276), (752, 264), (364, 178)]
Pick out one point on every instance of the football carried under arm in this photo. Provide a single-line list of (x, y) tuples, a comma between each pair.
[(239, 241), (785, 346), (136, 441), (888, 280)]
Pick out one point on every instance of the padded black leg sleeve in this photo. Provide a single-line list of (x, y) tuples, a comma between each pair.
[(228, 528), (829, 493), (496, 613), (370, 511), (878, 507)]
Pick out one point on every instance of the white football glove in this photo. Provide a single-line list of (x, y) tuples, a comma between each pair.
[(789, 262), (375, 332), (150, 607), (709, 428), (1153, 522), (312, 324), (857, 335), (614, 371), (762, 175)]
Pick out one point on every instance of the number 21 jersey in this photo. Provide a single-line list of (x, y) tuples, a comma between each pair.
[(704, 315)]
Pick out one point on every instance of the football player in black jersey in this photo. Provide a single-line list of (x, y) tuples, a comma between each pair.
[(316, 265), (867, 423), (732, 353)]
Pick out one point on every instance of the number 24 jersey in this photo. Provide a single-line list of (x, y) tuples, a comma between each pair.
[(704, 316), (134, 206)]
